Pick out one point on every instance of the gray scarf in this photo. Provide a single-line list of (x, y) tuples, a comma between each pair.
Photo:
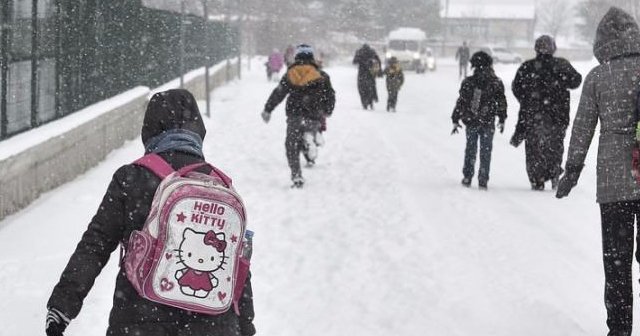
[(180, 140)]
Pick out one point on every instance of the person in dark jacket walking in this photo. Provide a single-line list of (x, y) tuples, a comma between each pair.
[(462, 55), (173, 128), (395, 79), (481, 100), (542, 87), (609, 95), (311, 97), (369, 67)]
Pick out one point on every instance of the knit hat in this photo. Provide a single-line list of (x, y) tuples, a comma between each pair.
[(481, 59), (545, 45), (304, 52)]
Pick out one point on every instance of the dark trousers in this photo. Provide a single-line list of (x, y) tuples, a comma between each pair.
[(463, 70), (617, 252), (294, 142), (484, 136), (392, 99)]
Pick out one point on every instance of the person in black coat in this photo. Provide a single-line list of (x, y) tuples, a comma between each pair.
[(311, 99), (462, 55), (173, 128), (369, 67), (481, 100), (542, 87)]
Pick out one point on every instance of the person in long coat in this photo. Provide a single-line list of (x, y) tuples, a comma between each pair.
[(542, 87), (609, 95), (369, 67), (172, 128)]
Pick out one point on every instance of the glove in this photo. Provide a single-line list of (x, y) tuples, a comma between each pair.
[(56, 323), (501, 127), (456, 125), (568, 181), (266, 116), (515, 140)]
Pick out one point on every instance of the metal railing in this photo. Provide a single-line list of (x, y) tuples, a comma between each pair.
[(59, 56)]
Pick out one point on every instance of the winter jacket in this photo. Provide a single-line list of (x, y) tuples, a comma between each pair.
[(395, 77), (481, 100), (311, 95), (368, 63), (275, 62), (609, 95), (542, 87), (124, 208)]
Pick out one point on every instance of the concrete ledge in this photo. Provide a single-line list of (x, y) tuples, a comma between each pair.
[(47, 157)]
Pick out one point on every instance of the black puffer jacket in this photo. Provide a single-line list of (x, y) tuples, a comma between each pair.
[(124, 208), (310, 92), (542, 87), (481, 100)]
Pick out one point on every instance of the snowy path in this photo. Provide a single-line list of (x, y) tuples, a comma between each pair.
[(382, 240)]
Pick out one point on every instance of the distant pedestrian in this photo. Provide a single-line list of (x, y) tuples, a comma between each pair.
[(395, 79), (274, 63), (462, 55), (481, 100), (369, 67), (311, 98), (542, 87), (609, 95)]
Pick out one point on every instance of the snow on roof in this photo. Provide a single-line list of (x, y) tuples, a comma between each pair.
[(193, 7), (407, 34), (491, 11)]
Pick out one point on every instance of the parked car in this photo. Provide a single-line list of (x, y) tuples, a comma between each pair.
[(408, 45), (502, 55)]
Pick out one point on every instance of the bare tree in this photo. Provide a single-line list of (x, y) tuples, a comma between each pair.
[(553, 16)]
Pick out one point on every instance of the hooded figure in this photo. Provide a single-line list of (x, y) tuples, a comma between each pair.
[(609, 95), (311, 99), (542, 88), (369, 67), (481, 100), (395, 79), (173, 128)]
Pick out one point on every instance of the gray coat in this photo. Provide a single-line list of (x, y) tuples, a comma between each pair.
[(609, 95)]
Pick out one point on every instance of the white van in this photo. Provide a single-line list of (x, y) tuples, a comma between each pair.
[(408, 45)]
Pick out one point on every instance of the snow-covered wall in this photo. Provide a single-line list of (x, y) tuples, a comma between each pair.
[(39, 160)]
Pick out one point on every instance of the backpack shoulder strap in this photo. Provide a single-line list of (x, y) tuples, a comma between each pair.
[(156, 164)]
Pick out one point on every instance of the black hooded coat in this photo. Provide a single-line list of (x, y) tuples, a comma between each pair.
[(542, 87), (368, 68), (124, 208)]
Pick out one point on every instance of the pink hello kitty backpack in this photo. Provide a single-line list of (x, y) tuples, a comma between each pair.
[(189, 253)]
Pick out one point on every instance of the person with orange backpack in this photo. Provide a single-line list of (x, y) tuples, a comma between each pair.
[(310, 99)]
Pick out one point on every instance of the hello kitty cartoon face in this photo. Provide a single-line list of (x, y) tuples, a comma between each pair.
[(202, 251)]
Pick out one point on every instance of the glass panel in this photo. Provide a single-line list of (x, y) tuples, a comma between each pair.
[(19, 97), (20, 48), (46, 9), (46, 90), (22, 9)]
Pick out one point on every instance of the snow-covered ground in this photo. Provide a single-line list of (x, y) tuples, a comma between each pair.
[(382, 240)]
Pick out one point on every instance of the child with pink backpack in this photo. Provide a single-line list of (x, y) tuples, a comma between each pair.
[(181, 228)]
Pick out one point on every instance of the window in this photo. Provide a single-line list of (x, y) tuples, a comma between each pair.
[(403, 45)]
